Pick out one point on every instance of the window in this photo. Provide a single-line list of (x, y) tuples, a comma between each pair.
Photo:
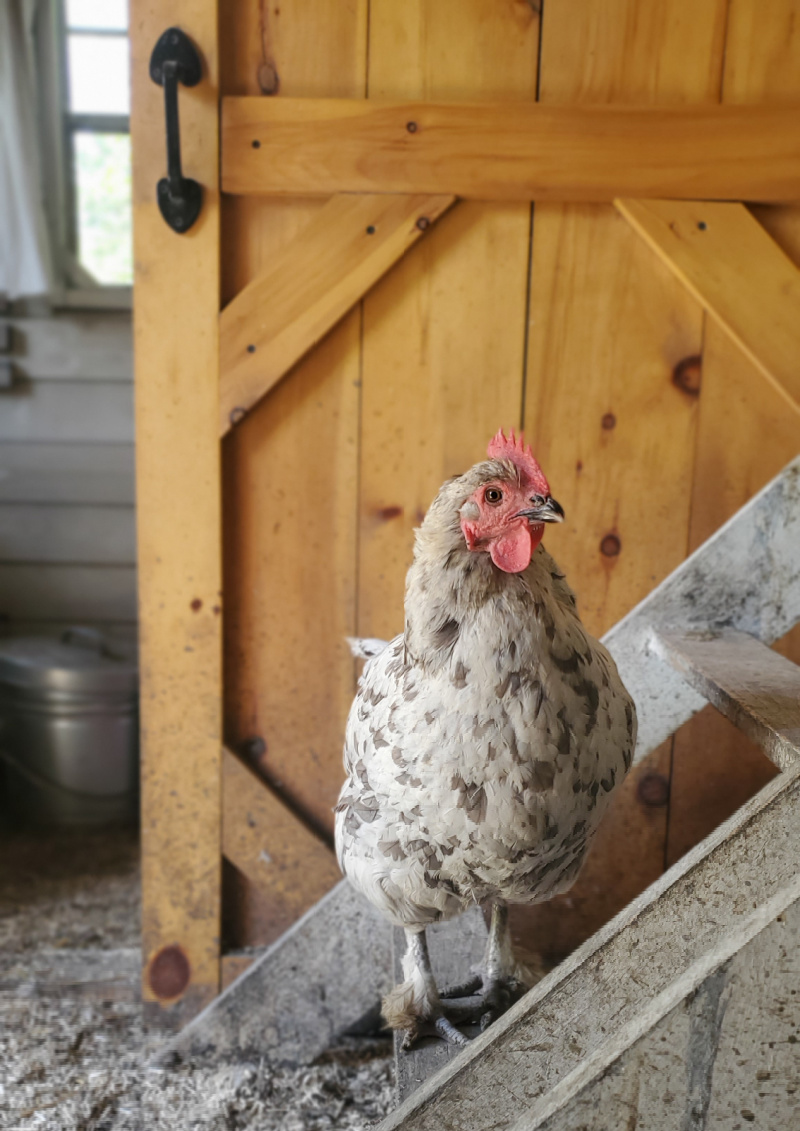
[(83, 60), (98, 137)]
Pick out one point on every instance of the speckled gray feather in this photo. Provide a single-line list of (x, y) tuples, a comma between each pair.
[(484, 743)]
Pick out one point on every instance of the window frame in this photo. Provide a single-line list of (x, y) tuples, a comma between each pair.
[(75, 287)]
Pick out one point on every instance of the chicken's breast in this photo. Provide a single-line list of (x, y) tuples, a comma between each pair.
[(485, 775)]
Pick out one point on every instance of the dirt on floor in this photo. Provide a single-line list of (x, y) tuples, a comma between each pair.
[(74, 1053)]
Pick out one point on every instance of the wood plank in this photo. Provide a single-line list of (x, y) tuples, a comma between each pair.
[(309, 286), (573, 1025), (723, 1054), (75, 593), (754, 687), (290, 571), (68, 411), (275, 851), (746, 432), (91, 974), (444, 334), (308, 147), (73, 346), (290, 577), (745, 577), (67, 473), (609, 328), (609, 320), (323, 978), (178, 474), (90, 535), (740, 275)]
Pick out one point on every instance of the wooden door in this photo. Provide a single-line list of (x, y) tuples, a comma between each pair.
[(260, 554)]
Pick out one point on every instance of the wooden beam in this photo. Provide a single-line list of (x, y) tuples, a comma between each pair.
[(739, 274), (176, 308), (309, 286), (497, 151), (273, 848), (754, 687)]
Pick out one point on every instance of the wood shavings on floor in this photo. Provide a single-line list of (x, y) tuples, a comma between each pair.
[(74, 1054)]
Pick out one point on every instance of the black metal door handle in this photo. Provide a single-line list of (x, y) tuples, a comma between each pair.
[(175, 60)]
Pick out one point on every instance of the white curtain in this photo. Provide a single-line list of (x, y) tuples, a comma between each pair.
[(25, 259)]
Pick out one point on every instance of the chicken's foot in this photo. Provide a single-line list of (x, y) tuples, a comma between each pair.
[(497, 983), (415, 1006)]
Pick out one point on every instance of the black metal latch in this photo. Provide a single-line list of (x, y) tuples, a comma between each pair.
[(175, 60)]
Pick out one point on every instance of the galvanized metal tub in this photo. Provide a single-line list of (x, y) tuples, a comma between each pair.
[(68, 730)]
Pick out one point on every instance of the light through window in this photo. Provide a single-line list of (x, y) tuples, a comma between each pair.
[(98, 128)]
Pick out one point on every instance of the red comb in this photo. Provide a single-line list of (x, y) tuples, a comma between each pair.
[(521, 456)]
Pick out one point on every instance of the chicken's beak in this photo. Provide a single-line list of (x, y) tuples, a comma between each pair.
[(543, 510)]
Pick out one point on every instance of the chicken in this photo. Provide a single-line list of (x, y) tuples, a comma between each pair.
[(484, 742)]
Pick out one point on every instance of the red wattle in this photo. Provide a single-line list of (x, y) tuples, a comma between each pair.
[(512, 553)]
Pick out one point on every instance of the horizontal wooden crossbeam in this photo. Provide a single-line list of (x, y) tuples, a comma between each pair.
[(510, 151), (744, 280), (309, 286), (754, 687)]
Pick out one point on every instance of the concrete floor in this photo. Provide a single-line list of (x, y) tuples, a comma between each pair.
[(74, 1055)]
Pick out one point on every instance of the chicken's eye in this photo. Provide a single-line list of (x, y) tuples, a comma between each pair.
[(493, 495)]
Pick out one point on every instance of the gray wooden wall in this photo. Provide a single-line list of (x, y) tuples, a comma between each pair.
[(67, 520)]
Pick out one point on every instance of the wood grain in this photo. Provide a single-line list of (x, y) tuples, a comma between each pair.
[(444, 335), (746, 434), (741, 277), (609, 330), (290, 471), (308, 147), (177, 397), (290, 866), (309, 286), (610, 327), (749, 683)]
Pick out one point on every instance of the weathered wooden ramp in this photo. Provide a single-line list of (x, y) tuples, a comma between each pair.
[(323, 977), (639, 972), (580, 1023)]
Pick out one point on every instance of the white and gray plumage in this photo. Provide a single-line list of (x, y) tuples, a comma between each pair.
[(484, 742)]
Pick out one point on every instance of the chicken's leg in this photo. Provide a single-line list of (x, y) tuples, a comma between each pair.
[(414, 1006), (498, 982)]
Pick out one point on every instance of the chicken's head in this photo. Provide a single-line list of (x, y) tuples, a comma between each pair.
[(505, 516)]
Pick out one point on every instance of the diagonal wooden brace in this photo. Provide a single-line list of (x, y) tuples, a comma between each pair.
[(309, 286), (733, 267)]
